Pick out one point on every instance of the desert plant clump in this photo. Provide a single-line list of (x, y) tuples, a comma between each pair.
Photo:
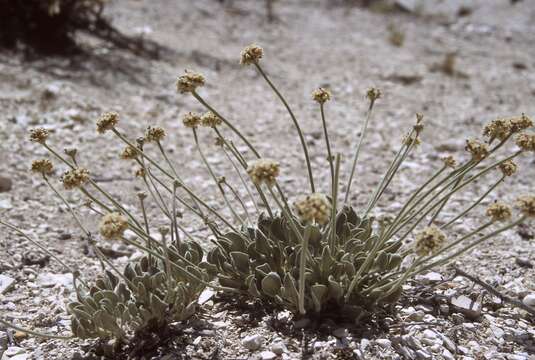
[(48, 25), (310, 250)]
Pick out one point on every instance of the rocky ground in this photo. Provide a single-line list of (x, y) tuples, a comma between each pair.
[(309, 44)]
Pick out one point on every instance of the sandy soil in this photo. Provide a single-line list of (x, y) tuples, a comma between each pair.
[(311, 43)]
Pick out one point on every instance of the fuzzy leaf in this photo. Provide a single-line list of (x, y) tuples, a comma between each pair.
[(271, 284)]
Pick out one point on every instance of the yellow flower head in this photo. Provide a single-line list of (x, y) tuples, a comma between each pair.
[(478, 150), (429, 240), (39, 135), (189, 82), (373, 94), (315, 207), (251, 55), (497, 129), (129, 153), (520, 123), (155, 134), (107, 121), (526, 204), (499, 211), (75, 178), (191, 120), (113, 226), (209, 119), (449, 161), (264, 171), (42, 166), (508, 167), (321, 95), (526, 141)]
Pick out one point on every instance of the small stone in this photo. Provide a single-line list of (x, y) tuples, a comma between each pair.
[(529, 300), (206, 295), (253, 342), (524, 262), (51, 280), (19, 335), (465, 305), (498, 332), (278, 347), (384, 343), (423, 355), (444, 309), (6, 283), (447, 355), (268, 355), (13, 350), (430, 277), (5, 184), (20, 357), (341, 333)]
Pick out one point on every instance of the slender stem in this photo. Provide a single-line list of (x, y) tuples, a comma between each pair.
[(235, 130), (34, 333), (214, 177), (183, 185), (334, 195), (286, 213), (327, 143), (302, 270), (244, 183), (357, 151), (477, 202), (243, 163), (300, 133), (237, 196), (432, 220)]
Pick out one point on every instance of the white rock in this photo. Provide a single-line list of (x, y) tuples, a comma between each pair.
[(423, 355), (447, 355), (50, 280), (430, 277), (278, 347), (5, 204), (384, 343), (268, 355), (13, 350), (206, 295), (6, 283), (529, 300), (253, 342), (498, 332), (20, 357)]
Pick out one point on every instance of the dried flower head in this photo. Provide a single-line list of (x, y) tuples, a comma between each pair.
[(315, 207), (478, 150), (497, 129), (75, 178), (373, 94), (499, 212), (251, 55), (429, 240), (113, 225), (71, 152), (209, 119), (526, 141), (142, 195), (155, 134), (191, 120), (520, 123), (189, 82), (140, 172), (409, 140), (321, 95), (526, 204), (219, 141), (264, 171), (508, 167), (107, 121), (129, 153), (449, 161), (39, 135), (43, 166)]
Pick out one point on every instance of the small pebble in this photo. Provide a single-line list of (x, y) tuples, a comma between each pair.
[(252, 342)]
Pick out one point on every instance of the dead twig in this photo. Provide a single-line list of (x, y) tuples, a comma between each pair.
[(504, 298)]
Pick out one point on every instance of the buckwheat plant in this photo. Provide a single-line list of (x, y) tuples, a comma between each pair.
[(310, 252)]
